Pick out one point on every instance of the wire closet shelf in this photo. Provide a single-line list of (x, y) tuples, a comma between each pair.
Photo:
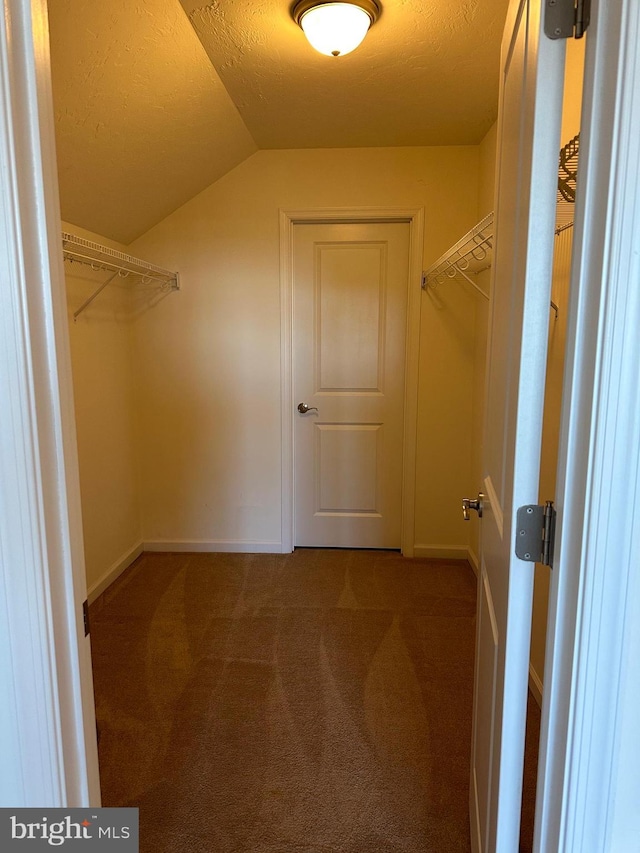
[(567, 181), (470, 255), (473, 253), (102, 258)]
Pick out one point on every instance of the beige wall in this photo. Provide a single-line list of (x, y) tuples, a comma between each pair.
[(208, 358), (487, 177), (555, 361), (102, 379)]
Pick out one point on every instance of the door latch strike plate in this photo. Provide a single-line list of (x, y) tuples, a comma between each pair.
[(535, 533), (85, 614)]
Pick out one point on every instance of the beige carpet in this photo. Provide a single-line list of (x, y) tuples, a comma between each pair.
[(304, 703)]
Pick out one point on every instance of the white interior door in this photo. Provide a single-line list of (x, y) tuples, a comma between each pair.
[(350, 316), (529, 137)]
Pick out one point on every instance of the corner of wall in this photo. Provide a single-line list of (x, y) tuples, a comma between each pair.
[(101, 360), (113, 572)]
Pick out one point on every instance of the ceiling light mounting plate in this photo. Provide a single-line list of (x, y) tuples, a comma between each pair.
[(302, 6)]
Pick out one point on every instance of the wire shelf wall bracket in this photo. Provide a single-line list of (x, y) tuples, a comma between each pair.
[(101, 258), (470, 255)]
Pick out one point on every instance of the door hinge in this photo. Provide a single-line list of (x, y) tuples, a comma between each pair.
[(535, 533), (565, 19), (85, 614)]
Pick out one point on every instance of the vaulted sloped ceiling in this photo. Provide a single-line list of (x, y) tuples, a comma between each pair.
[(143, 122), (156, 99)]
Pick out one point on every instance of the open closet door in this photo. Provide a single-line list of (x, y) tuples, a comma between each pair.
[(528, 141)]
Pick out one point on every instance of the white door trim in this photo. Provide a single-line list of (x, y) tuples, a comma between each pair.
[(288, 219), (588, 784), (47, 718)]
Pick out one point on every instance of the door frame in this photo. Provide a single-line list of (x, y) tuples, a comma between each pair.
[(588, 784), (47, 713), (414, 217)]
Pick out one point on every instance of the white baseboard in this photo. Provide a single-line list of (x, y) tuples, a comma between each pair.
[(473, 559), (535, 684), (230, 546), (113, 572), (440, 552)]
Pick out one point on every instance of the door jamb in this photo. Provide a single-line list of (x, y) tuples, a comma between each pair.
[(288, 219), (587, 778), (47, 723)]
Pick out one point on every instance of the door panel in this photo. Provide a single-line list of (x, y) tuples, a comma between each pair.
[(350, 316), (528, 143), (487, 638), (350, 308), (348, 466)]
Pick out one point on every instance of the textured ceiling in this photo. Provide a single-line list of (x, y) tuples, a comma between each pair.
[(426, 74), (143, 122), (146, 119)]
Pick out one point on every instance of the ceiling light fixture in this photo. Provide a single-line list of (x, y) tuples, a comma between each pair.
[(338, 27)]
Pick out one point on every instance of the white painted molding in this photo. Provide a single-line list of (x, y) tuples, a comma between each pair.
[(288, 219), (412, 378), (113, 572), (535, 684), (229, 546), (588, 777), (473, 559), (441, 552), (47, 718), (286, 379)]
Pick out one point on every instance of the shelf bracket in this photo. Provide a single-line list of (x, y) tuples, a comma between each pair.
[(95, 293)]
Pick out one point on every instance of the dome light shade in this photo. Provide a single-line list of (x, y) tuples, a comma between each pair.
[(335, 28)]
